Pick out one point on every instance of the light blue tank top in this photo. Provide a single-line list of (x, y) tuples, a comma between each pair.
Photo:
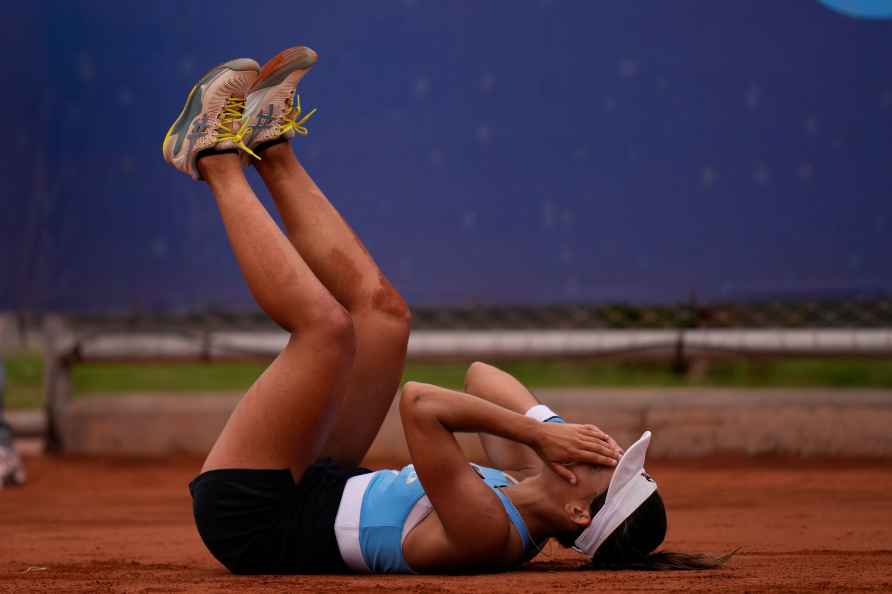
[(386, 505)]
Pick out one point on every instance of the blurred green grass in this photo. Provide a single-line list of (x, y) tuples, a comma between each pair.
[(24, 373)]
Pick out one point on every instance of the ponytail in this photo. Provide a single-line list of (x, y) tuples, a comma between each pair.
[(660, 561)]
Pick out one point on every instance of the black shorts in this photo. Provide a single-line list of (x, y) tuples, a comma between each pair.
[(261, 521)]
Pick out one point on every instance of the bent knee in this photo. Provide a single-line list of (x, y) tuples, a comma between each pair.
[(384, 331), (331, 326), (388, 302)]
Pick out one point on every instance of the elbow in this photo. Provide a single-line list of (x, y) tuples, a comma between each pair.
[(412, 398), (411, 391), (475, 369)]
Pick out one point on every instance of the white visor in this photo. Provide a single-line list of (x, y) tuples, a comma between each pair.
[(629, 487)]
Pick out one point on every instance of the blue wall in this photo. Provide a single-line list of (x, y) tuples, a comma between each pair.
[(510, 151)]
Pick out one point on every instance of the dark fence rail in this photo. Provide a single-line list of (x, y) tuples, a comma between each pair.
[(836, 313), (810, 314)]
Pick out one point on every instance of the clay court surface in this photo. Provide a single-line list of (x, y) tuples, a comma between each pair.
[(91, 525)]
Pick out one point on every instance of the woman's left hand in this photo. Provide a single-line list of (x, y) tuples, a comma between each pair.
[(559, 444)]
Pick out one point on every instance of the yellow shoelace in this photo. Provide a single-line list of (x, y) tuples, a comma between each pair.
[(293, 123), (232, 113)]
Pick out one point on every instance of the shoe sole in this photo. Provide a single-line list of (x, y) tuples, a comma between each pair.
[(240, 64), (282, 65)]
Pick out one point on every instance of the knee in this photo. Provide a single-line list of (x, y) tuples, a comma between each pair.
[(386, 331), (332, 328), (399, 328), (387, 302)]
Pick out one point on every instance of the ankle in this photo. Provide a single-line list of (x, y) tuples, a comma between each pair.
[(275, 157), (215, 164)]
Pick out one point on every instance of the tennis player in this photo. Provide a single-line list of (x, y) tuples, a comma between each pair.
[(282, 490)]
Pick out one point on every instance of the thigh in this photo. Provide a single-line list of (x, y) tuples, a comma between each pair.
[(286, 416), (373, 381)]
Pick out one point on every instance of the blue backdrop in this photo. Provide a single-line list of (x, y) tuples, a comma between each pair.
[(511, 151)]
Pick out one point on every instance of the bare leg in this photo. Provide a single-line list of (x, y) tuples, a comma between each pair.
[(284, 419), (380, 316)]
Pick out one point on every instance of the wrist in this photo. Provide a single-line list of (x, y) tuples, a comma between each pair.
[(533, 432)]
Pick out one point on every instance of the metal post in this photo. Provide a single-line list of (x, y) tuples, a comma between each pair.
[(57, 380), (5, 429)]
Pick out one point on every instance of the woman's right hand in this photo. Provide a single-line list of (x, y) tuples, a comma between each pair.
[(561, 444)]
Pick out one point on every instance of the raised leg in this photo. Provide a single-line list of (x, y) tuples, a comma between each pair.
[(284, 419), (380, 317)]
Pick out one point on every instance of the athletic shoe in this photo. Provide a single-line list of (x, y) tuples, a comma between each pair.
[(12, 472), (212, 119), (272, 111)]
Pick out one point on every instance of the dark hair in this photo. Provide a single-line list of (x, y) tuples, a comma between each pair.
[(632, 544)]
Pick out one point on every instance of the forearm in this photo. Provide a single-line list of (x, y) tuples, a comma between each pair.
[(501, 388), (459, 412)]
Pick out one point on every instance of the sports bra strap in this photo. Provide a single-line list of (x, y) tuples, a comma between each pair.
[(516, 519)]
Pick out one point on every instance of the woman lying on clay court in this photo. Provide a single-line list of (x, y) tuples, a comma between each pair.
[(281, 490)]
